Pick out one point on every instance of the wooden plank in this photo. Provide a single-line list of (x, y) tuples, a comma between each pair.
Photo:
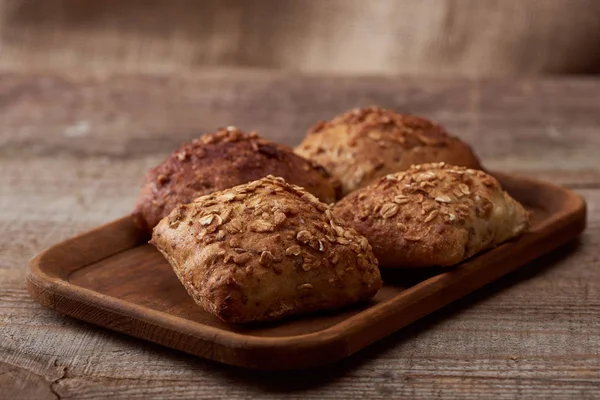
[(524, 126), (533, 334)]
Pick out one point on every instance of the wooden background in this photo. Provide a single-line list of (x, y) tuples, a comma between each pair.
[(74, 148), (449, 37)]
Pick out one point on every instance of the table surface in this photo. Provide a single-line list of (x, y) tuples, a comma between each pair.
[(73, 150)]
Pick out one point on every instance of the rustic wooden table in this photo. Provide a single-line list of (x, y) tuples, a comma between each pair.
[(74, 147)]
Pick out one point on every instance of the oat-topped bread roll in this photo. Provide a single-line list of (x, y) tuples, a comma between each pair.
[(433, 215), (364, 144), (219, 161), (266, 250)]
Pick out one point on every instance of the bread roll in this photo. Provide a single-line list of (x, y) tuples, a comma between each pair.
[(432, 215), (222, 160), (363, 144), (266, 250)]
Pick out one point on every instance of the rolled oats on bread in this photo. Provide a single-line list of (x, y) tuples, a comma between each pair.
[(366, 143), (222, 160), (266, 250), (432, 215)]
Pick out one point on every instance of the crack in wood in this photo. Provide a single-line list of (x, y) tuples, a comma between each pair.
[(54, 383)]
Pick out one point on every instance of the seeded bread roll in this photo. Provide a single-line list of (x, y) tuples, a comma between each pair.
[(364, 144), (219, 161), (266, 250), (432, 215)]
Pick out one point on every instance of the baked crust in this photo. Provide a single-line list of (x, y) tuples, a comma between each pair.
[(222, 160), (363, 144), (432, 215), (266, 250)]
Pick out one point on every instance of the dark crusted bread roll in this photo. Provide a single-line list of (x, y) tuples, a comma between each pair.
[(222, 160)]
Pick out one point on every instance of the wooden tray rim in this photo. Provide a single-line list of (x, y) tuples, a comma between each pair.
[(39, 281)]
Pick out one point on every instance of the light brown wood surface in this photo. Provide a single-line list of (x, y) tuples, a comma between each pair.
[(73, 149), (458, 37), (111, 277)]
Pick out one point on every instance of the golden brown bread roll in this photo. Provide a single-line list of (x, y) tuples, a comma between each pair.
[(266, 250), (222, 160), (432, 215), (363, 144)]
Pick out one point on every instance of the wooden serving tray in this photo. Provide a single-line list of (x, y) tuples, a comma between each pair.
[(111, 277)]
